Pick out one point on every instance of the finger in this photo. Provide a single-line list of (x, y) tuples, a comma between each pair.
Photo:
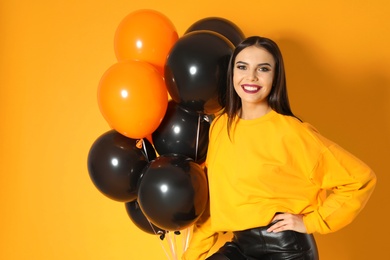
[(279, 216), (276, 226), (279, 229)]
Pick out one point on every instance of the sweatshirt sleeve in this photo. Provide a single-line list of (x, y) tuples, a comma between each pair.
[(349, 183), (202, 240)]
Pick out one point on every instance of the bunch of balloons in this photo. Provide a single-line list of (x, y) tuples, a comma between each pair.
[(152, 157)]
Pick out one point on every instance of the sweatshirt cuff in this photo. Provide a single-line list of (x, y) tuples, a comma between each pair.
[(314, 223)]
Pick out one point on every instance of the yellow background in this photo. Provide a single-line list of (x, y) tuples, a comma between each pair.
[(53, 54)]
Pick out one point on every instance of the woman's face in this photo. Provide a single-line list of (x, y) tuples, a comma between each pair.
[(253, 74)]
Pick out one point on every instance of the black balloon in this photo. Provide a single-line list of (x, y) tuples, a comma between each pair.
[(196, 71), (173, 192), (182, 132), (115, 164), (219, 25), (139, 219)]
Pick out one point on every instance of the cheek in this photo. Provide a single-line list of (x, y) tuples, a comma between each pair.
[(272, 78), (268, 82), (238, 77), (236, 83)]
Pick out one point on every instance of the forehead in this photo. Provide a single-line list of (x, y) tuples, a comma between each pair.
[(254, 54)]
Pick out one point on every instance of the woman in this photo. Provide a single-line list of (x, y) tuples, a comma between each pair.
[(273, 179)]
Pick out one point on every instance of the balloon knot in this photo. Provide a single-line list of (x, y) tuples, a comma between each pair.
[(139, 143), (162, 236)]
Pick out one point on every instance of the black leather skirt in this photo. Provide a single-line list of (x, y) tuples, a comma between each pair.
[(258, 244)]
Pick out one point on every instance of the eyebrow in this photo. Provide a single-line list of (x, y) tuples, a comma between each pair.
[(260, 64)]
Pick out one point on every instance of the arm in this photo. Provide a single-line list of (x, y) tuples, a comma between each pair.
[(350, 182)]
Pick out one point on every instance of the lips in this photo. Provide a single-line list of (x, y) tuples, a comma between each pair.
[(251, 88)]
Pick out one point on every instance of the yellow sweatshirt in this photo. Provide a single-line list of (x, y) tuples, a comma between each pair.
[(276, 163)]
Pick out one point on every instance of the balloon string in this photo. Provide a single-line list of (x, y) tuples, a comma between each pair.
[(145, 150), (163, 247), (187, 233), (197, 139), (172, 245), (151, 225), (175, 244), (184, 240), (141, 144), (162, 235)]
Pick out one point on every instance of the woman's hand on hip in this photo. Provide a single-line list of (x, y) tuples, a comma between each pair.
[(287, 221)]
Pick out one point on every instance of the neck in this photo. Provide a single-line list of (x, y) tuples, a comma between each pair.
[(250, 111)]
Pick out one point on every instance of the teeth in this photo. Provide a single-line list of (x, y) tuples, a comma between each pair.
[(250, 88)]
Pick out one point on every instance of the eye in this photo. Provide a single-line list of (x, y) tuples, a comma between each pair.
[(264, 69), (241, 67)]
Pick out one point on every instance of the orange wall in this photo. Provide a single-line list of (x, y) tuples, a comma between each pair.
[(52, 55)]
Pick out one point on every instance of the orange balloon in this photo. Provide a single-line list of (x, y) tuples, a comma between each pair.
[(133, 98), (145, 35)]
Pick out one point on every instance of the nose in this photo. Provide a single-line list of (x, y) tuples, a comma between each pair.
[(252, 75)]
